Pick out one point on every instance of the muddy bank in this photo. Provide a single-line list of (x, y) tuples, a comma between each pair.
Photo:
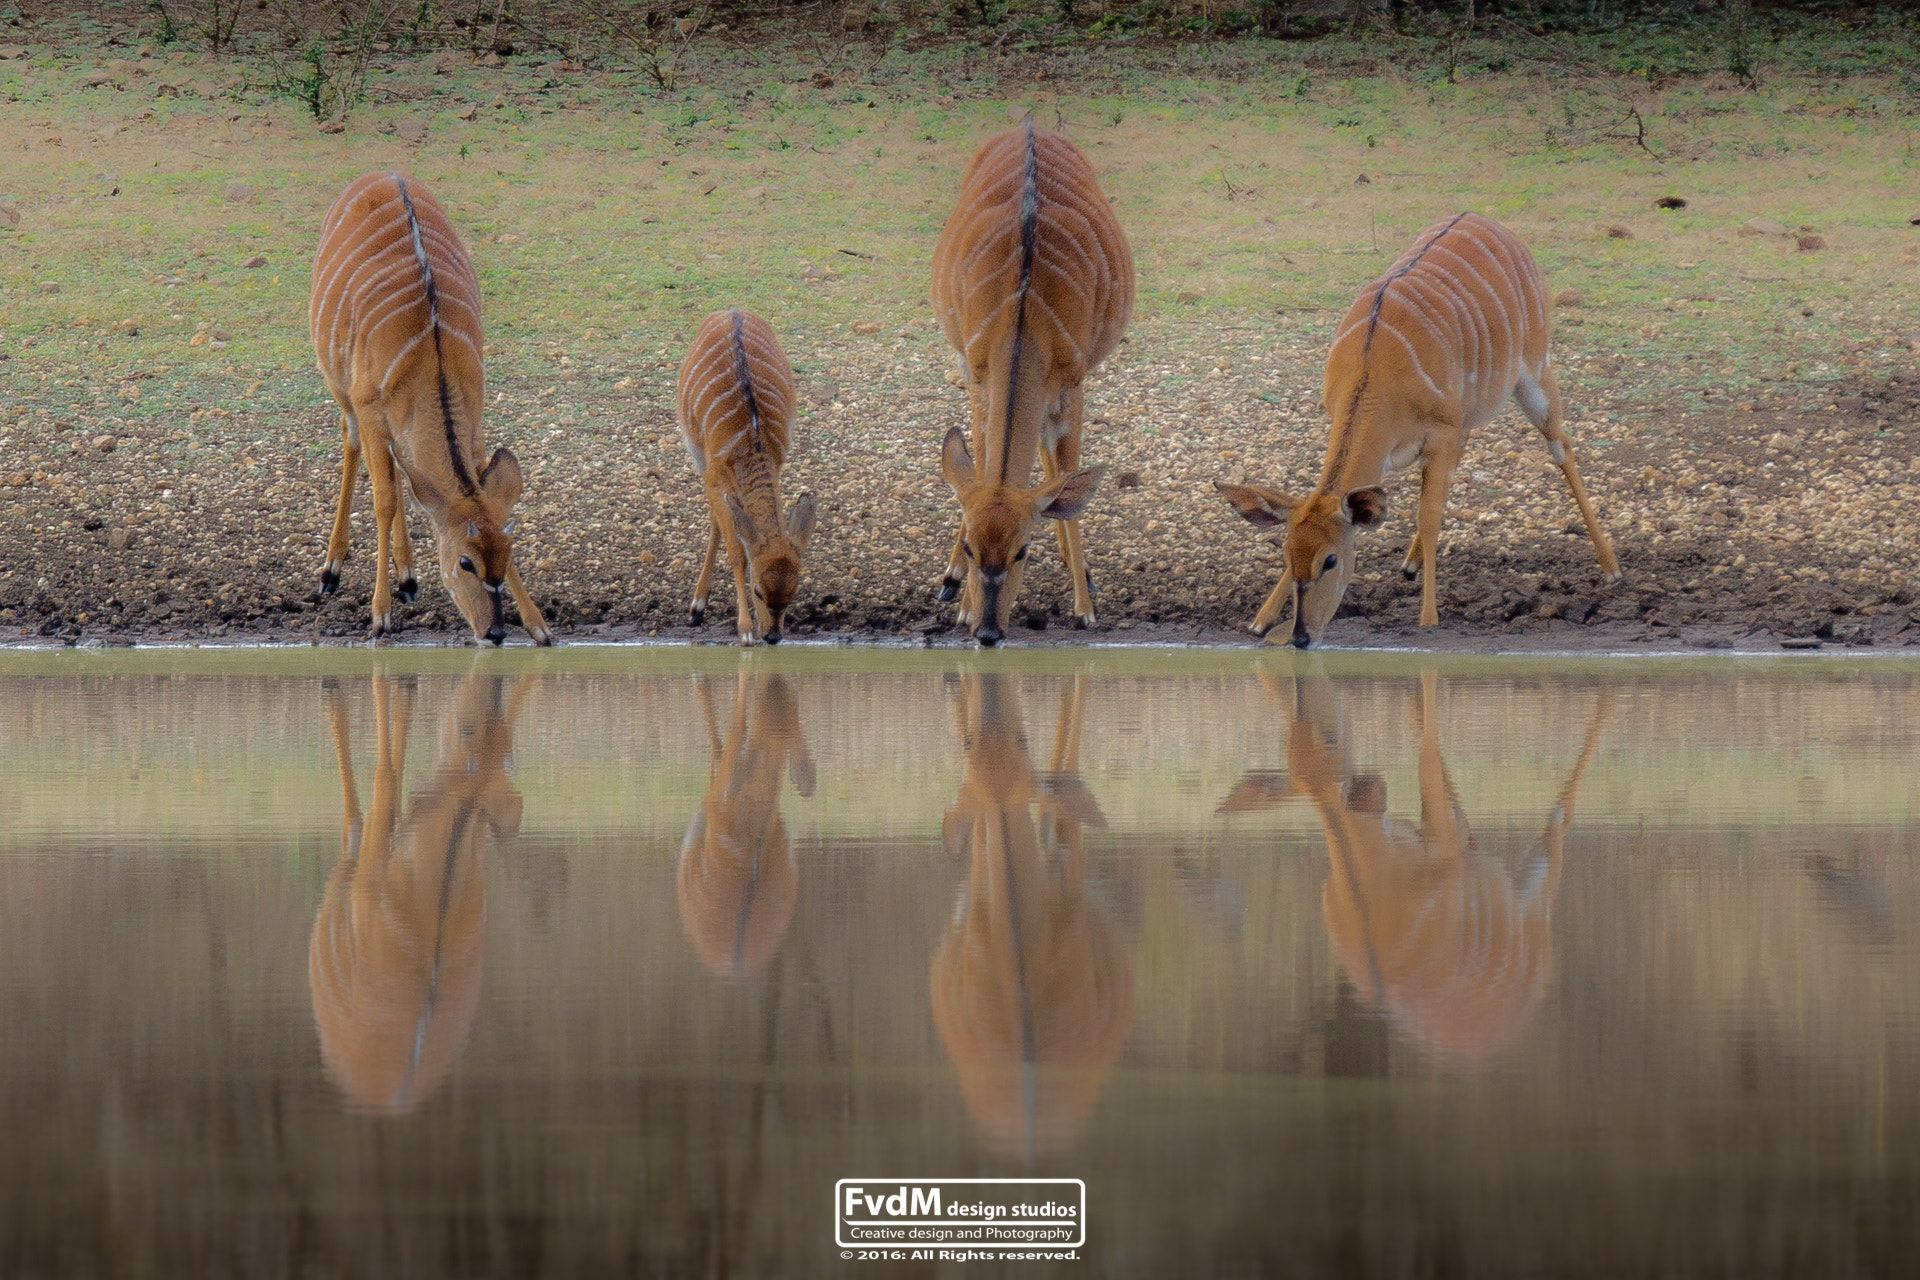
[(1746, 526)]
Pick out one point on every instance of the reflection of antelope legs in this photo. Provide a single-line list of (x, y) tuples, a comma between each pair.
[(394, 962), (738, 880), (1455, 948), (1032, 990)]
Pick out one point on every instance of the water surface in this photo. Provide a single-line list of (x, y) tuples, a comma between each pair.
[(594, 962)]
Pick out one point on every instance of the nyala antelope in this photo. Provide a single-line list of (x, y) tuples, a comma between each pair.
[(1032, 988), (1033, 286), (1452, 942), (735, 405), (394, 962), (395, 315), (1428, 353), (739, 881)]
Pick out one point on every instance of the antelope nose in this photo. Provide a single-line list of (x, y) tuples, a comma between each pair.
[(988, 635), (1300, 639), (497, 634), (773, 636)]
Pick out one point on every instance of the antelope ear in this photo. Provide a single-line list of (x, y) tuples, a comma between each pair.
[(500, 478), (956, 464), (424, 491), (800, 522), (1257, 503), (1069, 495), (473, 530), (506, 530), (1366, 507), (742, 522)]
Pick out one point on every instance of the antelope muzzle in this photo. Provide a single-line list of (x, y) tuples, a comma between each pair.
[(497, 632), (988, 632)]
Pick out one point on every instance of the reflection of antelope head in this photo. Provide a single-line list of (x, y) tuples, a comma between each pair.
[(1032, 991), (1453, 943), (738, 881), (394, 962)]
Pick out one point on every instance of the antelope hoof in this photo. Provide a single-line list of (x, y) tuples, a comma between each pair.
[(1409, 571), (1083, 622), (1259, 630), (746, 639), (697, 612), (1610, 578), (542, 637), (949, 590), (382, 626), (329, 579), (408, 588)]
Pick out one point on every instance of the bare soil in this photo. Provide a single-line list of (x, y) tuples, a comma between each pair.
[(1752, 526)]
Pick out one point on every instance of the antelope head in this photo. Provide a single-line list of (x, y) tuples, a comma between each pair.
[(475, 538), (1317, 553), (773, 558), (998, 520)]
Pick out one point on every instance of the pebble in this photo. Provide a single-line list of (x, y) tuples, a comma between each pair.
[(104, 444)]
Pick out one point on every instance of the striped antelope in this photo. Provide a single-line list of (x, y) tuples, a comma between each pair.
[(735, 405), (394, 962), (395, 315), (739, 881), (1428, 353), (1454, 943), (1032, 987), (1033, 286)]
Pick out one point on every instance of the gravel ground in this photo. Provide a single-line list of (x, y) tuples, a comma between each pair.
[(1790, 518)]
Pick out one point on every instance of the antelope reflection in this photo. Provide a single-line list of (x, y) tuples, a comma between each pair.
[(738, 878), (1452, 942), (395, 959), (1032, 990)]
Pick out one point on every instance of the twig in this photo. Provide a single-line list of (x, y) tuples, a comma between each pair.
[(855, 253)]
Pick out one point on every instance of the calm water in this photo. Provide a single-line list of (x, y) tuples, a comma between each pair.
[(613, 962)]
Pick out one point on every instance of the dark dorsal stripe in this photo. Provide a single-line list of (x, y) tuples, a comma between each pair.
[(1029, 236), (460, 471), (743, 373), (1373, 319)]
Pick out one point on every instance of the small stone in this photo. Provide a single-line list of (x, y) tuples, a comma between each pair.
[(412, 129), (820, 80), (1127, 480), (119, 539), (1762, 227), (94, 79), (466, 112), (18, 480), (647, 557), (1188, 296), (221, 335), (257, 260), (1568, 298), (8, 52), (864, 327), (1619, 233), (238, 191), (198, 339), (49, 286), (105, 444), (333, 126), (1810, 244)]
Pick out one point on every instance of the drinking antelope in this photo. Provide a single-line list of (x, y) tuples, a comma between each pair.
[(395, 315), (735, 405), (395, 958), (1033, 286), (1032, 988), (1452, 942), (738, 878), (1428, 353)]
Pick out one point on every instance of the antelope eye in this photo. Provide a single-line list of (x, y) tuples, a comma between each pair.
[(1327, 565), (967, 547), (466, 564), (1020, 555)]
